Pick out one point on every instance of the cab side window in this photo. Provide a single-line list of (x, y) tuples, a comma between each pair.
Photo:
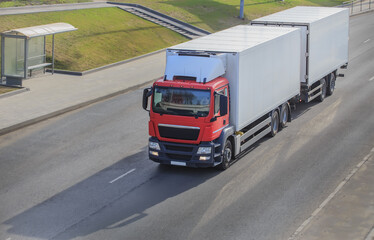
[(222, 91)]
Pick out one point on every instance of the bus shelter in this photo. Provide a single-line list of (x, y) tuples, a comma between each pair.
[(23, 50)]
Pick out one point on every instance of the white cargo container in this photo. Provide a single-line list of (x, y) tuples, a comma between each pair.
[(324, 41), (262, 66)]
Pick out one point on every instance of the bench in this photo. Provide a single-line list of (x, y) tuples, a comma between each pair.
[(42, 65)]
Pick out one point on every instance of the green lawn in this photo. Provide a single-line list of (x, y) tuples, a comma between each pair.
[(104, 36), (109, 35), (214, 15), (4, 89)]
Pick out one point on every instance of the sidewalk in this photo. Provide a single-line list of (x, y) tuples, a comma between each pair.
[(51, 95), (349, 214)]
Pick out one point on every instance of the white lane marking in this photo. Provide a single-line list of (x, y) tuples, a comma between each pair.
[(122, 175), (328, 199), (370, 236), (367, 40), (371, 79)]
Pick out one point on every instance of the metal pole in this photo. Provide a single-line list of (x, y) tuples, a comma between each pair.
[(44, 60), (361, 6), (370, 4), (241, 9), (44, 51), (26, 56), (352, 8), (2, 57), (53, 54)]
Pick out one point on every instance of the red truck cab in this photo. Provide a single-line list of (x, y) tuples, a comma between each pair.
[(187, 119)]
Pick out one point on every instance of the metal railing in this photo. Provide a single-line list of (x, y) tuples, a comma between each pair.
[(358, 6)]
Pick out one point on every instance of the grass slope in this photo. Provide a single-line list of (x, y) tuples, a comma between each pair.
[(109, 35), (104, 36), (214, 15)]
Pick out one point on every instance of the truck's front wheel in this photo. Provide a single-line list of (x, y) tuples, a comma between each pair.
[(227, 156)]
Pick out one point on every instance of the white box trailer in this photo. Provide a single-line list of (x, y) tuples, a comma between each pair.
[(324, 40), (262, 65)]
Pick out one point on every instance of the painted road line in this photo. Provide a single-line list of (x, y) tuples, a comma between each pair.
[(328, 199), (122, 175), (371, 79), (370, 236), (367, 40)]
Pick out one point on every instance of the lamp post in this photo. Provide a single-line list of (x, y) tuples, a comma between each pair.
[(241, 9)]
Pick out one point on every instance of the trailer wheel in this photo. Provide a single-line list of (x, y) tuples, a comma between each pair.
[(323, 90), (274, 123), (331, 84), (284, 115), (227, 156)]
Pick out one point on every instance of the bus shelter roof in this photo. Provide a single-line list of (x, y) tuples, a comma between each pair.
[(42, 30)]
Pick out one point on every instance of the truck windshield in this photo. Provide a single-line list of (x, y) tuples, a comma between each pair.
[(179, 101)]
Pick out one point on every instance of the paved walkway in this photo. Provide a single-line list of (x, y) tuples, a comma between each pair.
[(348, 214), (53, 94), (52, 8)]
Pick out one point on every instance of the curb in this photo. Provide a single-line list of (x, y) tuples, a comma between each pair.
[(12, 93), (71, 108)]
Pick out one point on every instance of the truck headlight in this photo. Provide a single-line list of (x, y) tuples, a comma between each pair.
[(154, 145), (204, 150)]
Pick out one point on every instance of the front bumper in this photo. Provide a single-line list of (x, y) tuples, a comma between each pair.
[(185, 154)]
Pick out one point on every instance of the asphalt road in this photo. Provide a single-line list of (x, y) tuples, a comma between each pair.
[(85, 174)]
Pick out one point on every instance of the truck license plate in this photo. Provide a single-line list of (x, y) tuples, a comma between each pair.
[(177, 163)]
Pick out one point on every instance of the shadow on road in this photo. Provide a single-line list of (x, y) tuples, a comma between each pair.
[(119, 204)]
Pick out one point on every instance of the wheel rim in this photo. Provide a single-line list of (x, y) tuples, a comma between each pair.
[(275, 122), (228, 154), (323, 94), (332, 83), (284, 117)]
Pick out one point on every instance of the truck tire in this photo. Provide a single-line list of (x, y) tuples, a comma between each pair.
[(323, 90), (284, 115), (274, 123), (227, 156), (331, 84)]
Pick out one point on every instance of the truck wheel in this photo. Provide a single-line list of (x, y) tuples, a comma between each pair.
[(323, 90), (274, 123), (284, 115), (227, 156), (331, 84)]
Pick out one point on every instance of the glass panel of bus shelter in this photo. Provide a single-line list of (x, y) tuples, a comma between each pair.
[(35, 55), (14, 56)]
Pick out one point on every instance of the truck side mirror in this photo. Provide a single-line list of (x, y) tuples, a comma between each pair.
[(223, 105), (146, 93)]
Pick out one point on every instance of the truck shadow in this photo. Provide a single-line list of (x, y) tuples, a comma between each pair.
[(302, 108), (94, 204)]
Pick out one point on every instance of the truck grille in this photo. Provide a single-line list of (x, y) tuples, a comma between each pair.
[(179, 157), (178, 148), (178, 132)]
